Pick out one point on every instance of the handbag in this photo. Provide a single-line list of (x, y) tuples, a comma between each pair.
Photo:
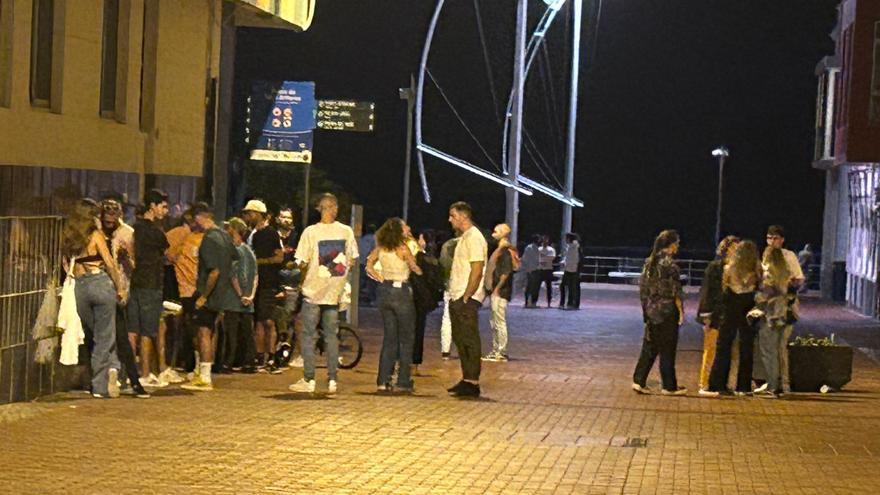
[(69, 321)]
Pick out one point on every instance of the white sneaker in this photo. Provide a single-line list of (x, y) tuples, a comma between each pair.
[(112, 383), (303, 386), (640, 389), (170, 376), (707, 393), (762, 388), (678, 391), (152, 381), (296, 362), (331, 387)]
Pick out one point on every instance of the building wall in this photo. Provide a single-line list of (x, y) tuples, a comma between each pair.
[(181, 61)]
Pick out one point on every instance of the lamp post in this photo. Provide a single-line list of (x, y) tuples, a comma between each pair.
[(721, 153)]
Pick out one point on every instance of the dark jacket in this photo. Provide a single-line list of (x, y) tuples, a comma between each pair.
[(427, 287), (711, 294), (659, 289)]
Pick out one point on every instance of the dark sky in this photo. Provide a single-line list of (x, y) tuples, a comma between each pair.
[(663, 84)]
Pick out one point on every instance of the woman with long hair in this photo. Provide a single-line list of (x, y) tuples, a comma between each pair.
[(740, 281), (395, 296), (98, 288), (772, 305), (709, 312), (661, 296)]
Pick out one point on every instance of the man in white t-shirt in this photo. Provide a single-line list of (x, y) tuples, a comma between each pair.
[(326, 252), (766, 335), (466, 293)]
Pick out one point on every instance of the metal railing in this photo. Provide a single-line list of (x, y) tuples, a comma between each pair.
[(30, 257), (615, 269)]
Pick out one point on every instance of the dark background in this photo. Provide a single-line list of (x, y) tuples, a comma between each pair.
[(662, 84)]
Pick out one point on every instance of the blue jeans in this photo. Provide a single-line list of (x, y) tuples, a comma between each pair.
[(329, 316), (96, 306), (399, 320)]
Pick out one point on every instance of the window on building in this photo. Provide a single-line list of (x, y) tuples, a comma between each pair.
[(874, 113), (42, 27), (109, 58)]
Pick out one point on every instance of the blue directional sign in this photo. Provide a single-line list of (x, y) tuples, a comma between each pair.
[(287, 132)]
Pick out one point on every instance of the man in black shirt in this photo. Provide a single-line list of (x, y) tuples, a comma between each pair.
[(289, 276), (266, 244), (145, 299)]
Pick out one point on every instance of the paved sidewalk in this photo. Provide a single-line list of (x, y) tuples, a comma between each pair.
[(558, 418)]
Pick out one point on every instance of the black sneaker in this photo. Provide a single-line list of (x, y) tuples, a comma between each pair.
[(272, 370), (140, 392), (468, 389), (445, 356), (249, 370), (455, 388)]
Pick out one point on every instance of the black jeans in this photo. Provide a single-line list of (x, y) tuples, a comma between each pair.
[(659, 339), (571, 286), (466, 336), (123, 348), (533, 286), (239, 330), (546, 278), (419, 342), (736, 306)]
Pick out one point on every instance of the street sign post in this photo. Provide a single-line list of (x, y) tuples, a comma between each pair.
[(346, 115)]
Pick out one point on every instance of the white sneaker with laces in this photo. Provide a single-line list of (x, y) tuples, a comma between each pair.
[(640, 389), (707, 393), (679, 391), (296, 362), (762, 388), (152, 381), (303, 386), (170, 376), (331, 387)]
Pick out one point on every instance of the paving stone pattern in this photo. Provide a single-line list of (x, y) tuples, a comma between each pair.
[(558, 418)]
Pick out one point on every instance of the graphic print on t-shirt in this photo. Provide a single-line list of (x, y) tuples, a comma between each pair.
[(332, 261)]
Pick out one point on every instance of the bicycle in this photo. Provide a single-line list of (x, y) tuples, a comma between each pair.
[(351, 348)]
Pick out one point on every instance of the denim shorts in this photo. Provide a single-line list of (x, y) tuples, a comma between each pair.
[(144, 311)]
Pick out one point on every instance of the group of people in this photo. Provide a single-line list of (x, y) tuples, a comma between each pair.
[(538, 260), (745, 296), (234, 281)]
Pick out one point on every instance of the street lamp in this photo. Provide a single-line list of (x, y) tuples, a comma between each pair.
[(721, 153)]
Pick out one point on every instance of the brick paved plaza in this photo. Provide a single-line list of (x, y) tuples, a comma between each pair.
[(559, 418)]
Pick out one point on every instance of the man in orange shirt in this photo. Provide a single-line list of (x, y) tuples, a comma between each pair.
[(183, 253)]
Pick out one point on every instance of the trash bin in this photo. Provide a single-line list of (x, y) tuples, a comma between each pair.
[(838, 281)]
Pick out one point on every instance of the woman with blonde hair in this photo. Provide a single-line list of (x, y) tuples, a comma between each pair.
[(396, 262), (739, 282), (98, 288), (772, 306)]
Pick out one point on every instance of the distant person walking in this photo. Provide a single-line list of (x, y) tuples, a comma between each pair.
[(530, 267), (395, 302), (661, 296), (571, 274), (467, 294), (710, 308), (741, 277), (546, 257)]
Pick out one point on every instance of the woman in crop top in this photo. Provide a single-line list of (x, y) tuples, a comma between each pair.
[(390, 264), (98, 288)]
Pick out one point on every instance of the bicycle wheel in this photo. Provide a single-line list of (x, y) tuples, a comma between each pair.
[(350, 347)]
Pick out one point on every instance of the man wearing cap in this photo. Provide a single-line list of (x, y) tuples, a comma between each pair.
[(266, 244)]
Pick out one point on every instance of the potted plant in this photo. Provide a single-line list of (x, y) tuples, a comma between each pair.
[(818, 364)]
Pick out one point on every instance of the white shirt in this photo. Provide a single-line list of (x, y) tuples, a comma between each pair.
[(471, 247), (327, 248), (572, 257), (546, 255), (530, 258), (791, 260)]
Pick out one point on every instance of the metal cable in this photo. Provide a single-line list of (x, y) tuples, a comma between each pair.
[(489, 75), (463, 123)]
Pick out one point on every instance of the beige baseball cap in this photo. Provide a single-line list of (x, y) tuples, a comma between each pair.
[(255, 205)]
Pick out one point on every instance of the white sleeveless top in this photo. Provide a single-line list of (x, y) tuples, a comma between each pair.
[(393, 269)]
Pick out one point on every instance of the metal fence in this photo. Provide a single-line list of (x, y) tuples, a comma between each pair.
[(612, 269), (30, 257)]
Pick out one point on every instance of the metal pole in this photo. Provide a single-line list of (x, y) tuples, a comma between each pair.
[(515, 143), (409, 94), (718, 213), (357, 222), (305, 213), (577, 7)]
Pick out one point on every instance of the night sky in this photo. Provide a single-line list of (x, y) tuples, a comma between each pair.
[(662, 84)]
